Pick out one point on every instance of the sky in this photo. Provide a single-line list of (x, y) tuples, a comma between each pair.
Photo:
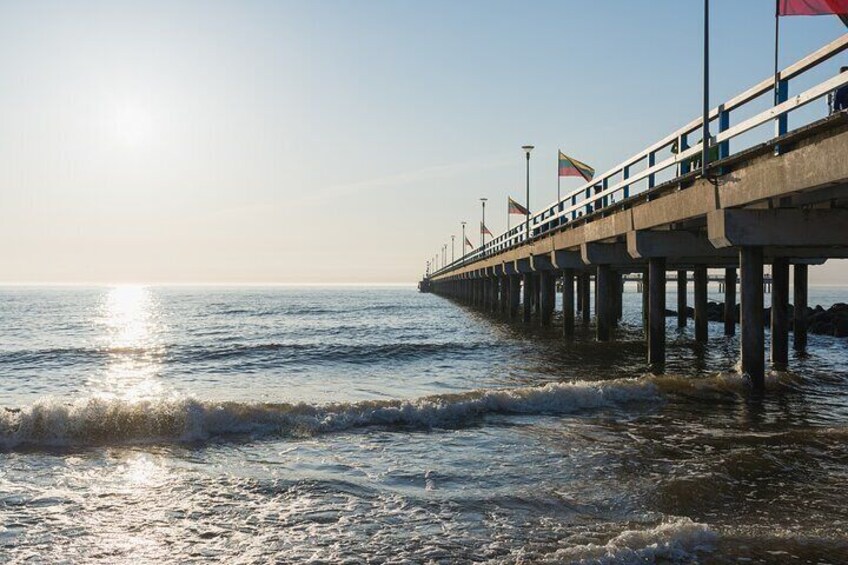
[(332, 141)]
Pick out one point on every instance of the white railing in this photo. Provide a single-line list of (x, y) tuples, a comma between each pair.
[(604, 191)]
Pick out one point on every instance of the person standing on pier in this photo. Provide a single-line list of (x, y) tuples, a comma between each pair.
[(837, 100)]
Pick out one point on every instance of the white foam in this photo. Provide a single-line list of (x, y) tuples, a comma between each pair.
[(675, 541), (103, 420)]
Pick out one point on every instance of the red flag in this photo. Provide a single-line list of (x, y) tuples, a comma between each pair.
[(812, 7), (468, 243), (516, 208), (484, 229)]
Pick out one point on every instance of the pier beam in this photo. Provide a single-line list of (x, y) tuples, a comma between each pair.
[(527, 310), (603, 308), (799, 328), (780, 313), (751, 310), (547, 297), (656, 311), (730, 301), (701, 327), (568, 303), (682, 315)]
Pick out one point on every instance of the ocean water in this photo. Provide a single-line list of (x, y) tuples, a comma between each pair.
[(380, 425)]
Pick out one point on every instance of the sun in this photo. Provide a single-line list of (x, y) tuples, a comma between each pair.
[(133, 124)]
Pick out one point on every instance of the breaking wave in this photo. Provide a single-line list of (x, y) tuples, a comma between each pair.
[(676, 541), (97, 421)]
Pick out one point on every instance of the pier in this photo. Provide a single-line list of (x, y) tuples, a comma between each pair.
[(782, 201)]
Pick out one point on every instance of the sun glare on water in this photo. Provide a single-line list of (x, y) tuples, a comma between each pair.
[(128, 323)]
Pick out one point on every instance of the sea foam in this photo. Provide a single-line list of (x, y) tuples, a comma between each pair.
[(96, 421)]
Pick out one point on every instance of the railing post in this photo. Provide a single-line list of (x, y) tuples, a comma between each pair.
[(652, 160), (781, 94), (682, 145), (625, 174)]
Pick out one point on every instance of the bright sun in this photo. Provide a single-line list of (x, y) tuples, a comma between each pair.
[(133, 124)]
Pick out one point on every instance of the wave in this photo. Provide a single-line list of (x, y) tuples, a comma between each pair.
[(98, 421), (272, 352), (676, 541)]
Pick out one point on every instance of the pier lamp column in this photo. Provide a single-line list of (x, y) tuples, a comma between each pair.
[(656, 312), (780, 313), (751, 318), (701, 328), (730, 301), (799, 327), (527, 149)]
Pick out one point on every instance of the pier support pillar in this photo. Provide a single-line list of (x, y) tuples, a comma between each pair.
[(682, 314), (537, 297), (780, 313), (527, 310), (603, 308), (496, 299), (585, 290), (514, 296), (504, 286), (617, 298), (751, 310), (730, 301), (568, 303), (547, 297), (656, 311), (701, 326), (799, 328), (646, 278)]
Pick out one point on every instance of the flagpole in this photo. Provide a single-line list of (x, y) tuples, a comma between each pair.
[(558, 177), (705, 136), (776, 51)]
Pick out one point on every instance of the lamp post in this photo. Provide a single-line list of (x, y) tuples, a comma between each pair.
[(463, 241), (453, 237), (527, 149), (483, 225)]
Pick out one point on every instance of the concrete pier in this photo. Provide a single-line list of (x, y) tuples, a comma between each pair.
[(701, 326), (682, 314), (514, 296), (656, 315), (751, 314), (603, 308), (547, 298), (528, 298), (730, 301), (780, 313), (568, 303), (800, 315), (585, 291)]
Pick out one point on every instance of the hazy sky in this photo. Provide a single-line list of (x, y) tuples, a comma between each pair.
[(330, 141)]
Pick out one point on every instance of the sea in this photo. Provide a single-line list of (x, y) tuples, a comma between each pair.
[(376, 424)]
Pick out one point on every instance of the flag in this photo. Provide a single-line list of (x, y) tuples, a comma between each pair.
[(516, 208), (468, 243), (484, 230), (569, 167), (812, 7)]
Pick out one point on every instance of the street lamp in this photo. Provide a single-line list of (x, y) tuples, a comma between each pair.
[(527, 149), (463, 241), (453, 237), (483, 226)]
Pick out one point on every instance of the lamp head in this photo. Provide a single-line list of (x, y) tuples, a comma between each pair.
[(527, 149)]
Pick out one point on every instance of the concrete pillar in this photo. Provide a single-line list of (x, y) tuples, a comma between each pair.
[(603, 308), (504, 285), (547, 297), (646, 281), (537, 296), (682, 315), (586, 300), (579, 288), (568, 302), (617, 299), (751, 310), (800, 322), (514, 296), (730, 301), (496, 290), (656, 311), (528, 297), (780, 313), (701, 326)]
